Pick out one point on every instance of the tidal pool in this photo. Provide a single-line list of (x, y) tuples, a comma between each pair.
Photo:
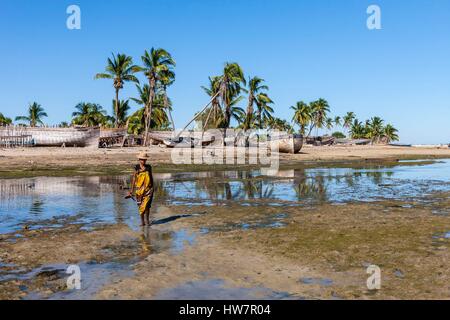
[(54, 201)]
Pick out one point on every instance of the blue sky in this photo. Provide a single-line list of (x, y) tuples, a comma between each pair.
[(304, 49)]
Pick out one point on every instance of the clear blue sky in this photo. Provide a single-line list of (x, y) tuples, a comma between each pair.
[(304, 50)]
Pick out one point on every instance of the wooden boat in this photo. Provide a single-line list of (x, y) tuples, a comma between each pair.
[(353, 141), (57, 137), (170, 141), (288, 143), (400, 145)]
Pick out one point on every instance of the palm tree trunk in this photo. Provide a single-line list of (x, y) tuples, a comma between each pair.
[(116, 122), (148, 108), (166, 106), (249, 113)]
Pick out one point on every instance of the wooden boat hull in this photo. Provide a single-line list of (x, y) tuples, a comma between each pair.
[(289, 143), (57, 137)]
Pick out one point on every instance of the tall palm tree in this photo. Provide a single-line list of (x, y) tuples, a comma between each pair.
[(88, 114), (302, 115), (255, 85), (157, 62), (35, 115), (4, 120), (231, 82), (348, 120), (320, 109), (121, 69), (390, 133)]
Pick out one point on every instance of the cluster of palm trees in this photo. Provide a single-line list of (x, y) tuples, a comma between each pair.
[(374, 129), (315, 116), (226, 91), (4, 121), (157, 67)]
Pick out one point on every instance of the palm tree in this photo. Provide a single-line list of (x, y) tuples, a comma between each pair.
[(337, 121), (35, 115), (375, 129), (4, 120), (357, 130), (255, 85), (329, 123), (302, 115), (348, 120), (236, 112), (136, 122), (157, 63), (320, 109), (88, 115), (121, 69), (214, 115), (265, 111), (122, 112), (390, 133), (231, 82), (64, 124), (167, 79), (160, 105), (280, 125)]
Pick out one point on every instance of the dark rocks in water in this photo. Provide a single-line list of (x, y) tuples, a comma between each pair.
[(51, 273), (399, 274), (23, 288), (317, 281)]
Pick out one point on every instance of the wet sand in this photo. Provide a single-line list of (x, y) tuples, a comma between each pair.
[(226, 236), (314, 253), (77, 161)]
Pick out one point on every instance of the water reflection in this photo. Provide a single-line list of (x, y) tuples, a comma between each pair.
[(101, 199)]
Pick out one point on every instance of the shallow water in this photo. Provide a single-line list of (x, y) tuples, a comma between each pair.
[(217, 289), (54, 201)]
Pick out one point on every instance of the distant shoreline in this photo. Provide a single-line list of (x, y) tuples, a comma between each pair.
[(30, 162)]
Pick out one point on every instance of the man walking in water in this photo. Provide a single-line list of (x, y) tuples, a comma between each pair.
[(142, 186)]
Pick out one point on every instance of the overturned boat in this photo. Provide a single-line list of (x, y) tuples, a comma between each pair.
[(287, 143), (188, 140)]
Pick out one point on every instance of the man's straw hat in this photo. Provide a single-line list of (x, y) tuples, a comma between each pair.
[(143, 156)]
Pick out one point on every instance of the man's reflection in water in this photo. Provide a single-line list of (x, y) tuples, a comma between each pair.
[(145, 241)]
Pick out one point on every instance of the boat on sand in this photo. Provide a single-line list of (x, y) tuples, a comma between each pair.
[(287, 143)]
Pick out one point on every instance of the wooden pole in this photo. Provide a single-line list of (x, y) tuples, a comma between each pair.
[(198, 114)]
